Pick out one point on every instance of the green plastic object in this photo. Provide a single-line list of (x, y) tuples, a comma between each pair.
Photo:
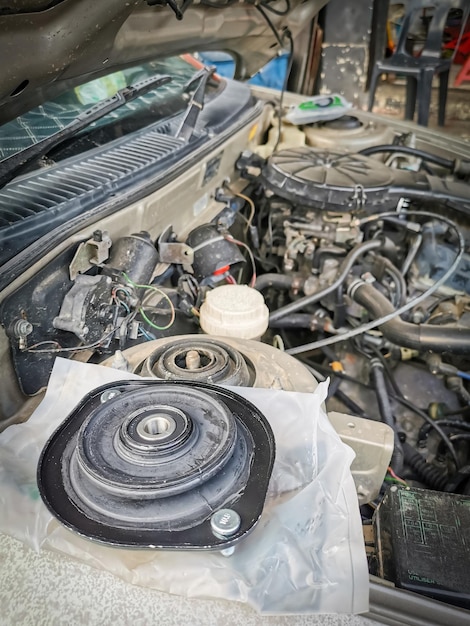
[(318, 109)]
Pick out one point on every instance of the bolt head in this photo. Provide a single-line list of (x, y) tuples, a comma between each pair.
[(225, 523), (22, 328), (109, 394)]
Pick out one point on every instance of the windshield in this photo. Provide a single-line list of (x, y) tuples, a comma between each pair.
[(52, 116)]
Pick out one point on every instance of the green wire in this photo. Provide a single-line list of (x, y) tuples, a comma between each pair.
[(150, 323), (141, 310)]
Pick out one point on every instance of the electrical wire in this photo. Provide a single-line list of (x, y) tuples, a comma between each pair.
[(90, 346), (395, 477), (267, 5), (388, 370), (348, 402), (354, 332), (390, 480), (251, 204), (409, 405), (217, 5), (452, 425), (241, 244), (150, 323), (425, 156), (146, 334), (120, 302), (460, 437), (142, 309), (260, 8), (462, 411), (288, 35)]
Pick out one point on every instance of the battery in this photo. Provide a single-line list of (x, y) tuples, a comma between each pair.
[(423, 543)]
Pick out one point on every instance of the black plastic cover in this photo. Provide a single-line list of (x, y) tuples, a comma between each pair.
[(423, 543)]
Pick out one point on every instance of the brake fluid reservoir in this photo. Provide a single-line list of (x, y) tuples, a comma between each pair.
[(234, 311)]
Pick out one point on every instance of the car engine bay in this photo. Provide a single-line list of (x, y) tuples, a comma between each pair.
[(347, 245)]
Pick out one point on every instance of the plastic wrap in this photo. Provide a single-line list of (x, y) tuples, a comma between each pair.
[(305, 555)]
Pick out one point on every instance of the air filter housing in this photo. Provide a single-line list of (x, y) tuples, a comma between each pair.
[(328, 179)]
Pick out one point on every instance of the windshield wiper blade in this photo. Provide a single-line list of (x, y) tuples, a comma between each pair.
[(10, 165), (196, 104)]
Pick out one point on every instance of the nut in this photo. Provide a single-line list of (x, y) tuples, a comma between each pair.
[(225, 523)]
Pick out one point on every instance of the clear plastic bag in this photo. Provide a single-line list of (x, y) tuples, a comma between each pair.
[(306, 554)]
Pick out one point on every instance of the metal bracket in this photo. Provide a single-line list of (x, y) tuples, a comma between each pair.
[(174, 251), (92, 252), (359, 197)]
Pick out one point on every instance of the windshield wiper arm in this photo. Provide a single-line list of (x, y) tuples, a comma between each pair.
[(196, 104), (10, 165)]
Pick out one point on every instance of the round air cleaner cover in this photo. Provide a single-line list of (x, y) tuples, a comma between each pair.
[(331, 180), (148, 464)]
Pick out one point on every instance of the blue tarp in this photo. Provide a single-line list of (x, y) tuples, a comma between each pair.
[(271, 75)]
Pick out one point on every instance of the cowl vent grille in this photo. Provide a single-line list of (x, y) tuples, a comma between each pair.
[(31, 206), (49, 189)]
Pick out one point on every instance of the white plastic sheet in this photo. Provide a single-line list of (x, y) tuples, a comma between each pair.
[(306, 555)]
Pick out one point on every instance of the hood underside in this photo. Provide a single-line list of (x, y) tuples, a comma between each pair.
[(49, 46)]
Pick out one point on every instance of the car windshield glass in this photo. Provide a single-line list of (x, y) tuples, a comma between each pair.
[(51, 116)]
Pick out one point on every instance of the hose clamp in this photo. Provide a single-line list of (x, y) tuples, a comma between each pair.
[(353, 287)]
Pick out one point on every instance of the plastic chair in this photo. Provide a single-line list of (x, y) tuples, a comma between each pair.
[(464, 73), (420, 70)]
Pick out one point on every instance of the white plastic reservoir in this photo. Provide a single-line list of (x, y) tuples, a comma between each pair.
[(234, 311)]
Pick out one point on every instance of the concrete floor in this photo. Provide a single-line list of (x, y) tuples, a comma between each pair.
[(48, 588)]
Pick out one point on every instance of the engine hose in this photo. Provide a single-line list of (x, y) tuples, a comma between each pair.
[(400, 282), (297, 320), (460, 482), (280, 281), (334, 387), (420, 154), (340, 395), (341, 276), (453, 425), (363, 328), (415, 336), (429, 475), (386, 413)]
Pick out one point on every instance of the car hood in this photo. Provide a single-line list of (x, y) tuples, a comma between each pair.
[(52, 45)]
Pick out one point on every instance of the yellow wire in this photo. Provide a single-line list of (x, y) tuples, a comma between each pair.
[(252, 207)]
